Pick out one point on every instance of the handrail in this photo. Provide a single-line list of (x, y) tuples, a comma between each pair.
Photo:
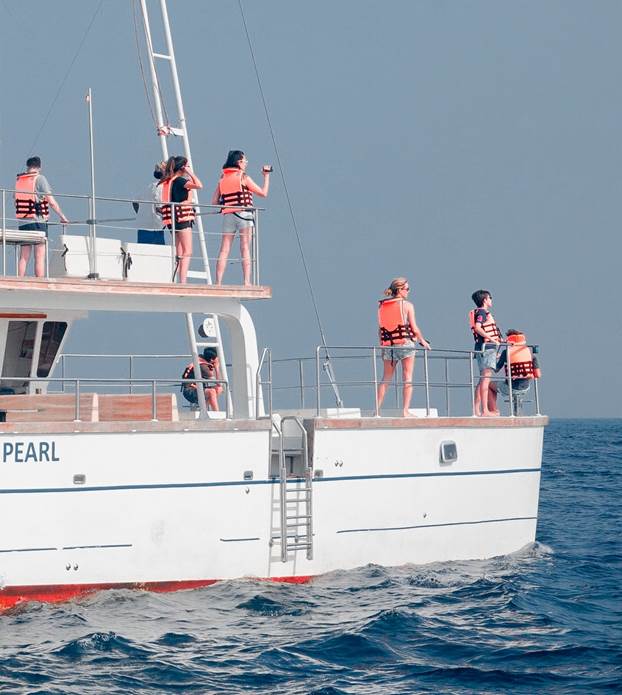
[(78, 382), (84, 218), (259, 383)]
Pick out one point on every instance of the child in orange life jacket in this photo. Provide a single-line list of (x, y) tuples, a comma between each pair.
[(487, 338), (209, 370), (524, 365)]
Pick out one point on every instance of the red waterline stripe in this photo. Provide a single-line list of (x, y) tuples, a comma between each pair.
[(55, 593)]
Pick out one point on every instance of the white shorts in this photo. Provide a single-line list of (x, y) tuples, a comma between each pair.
[(236, 221)]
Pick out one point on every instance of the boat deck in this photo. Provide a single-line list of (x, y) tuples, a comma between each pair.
[(120, 295)]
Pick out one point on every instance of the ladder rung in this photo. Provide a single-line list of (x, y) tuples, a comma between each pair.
[(300, 516), (164, 56), (298, 545), (303, 523)]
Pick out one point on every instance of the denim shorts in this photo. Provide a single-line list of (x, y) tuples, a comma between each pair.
[(34, 227), (487, 358), (237, 221), (399, 352)]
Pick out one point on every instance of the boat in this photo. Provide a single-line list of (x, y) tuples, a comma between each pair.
[(110, 483)]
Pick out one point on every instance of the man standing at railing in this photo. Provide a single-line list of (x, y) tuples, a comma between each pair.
[(33, 200)]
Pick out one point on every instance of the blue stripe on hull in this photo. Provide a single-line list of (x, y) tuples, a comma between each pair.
[(274, 481)]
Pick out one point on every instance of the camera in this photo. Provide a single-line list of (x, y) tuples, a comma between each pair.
[(267, 169)]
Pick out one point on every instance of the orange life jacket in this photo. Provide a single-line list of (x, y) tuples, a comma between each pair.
[(28, 204), (490, 327), (392, 322), (521, 360), (233, 191), (189, 372), (184, 212)]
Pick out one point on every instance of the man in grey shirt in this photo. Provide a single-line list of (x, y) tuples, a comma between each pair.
[(33, 200)]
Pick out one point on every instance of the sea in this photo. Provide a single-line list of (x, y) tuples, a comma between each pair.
[(547, 619)]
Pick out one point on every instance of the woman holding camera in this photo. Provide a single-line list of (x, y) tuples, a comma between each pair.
[(235, 193), (177, 183)]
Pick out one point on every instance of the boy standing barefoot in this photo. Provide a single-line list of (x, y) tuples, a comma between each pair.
[(487, 338)]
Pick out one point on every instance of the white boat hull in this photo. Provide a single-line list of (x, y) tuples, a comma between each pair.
[(173, 509)]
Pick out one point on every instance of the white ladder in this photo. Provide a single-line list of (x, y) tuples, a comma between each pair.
[(295, 494), (181, 131)]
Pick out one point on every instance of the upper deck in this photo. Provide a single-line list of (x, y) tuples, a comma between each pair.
[(120, 295), (122, 259)]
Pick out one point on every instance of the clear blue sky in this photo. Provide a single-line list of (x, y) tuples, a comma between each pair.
[(462, 144)]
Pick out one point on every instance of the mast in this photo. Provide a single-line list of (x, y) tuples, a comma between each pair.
[(181, 130)]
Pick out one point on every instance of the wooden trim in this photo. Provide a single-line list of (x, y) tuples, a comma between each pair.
[(124, 287), (50, 428), (23, 316)]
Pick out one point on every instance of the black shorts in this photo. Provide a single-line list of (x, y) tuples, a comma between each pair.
[(34, 227)]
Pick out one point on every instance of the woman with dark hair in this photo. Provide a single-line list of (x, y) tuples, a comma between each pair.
[(398, 332), (177, 183), (235, 192)]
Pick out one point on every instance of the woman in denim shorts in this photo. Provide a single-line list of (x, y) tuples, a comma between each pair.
[(236, 189), (405, 351)]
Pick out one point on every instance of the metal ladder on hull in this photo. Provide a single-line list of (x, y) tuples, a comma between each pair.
[(181, 131), (295, 496)]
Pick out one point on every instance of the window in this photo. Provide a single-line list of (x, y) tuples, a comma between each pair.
[(51, 339)]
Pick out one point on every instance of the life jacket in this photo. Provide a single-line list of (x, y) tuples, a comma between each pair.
[(522, 365), (233, 191), (184, 212), (392, 322), (28, 204), (189, 372), (490, 327)]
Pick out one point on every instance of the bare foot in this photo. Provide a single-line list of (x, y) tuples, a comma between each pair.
[(407, 413), (489, 414)]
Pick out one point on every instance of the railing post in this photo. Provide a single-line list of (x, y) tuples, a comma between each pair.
[(509, 380), (317, 379), (256, 248), (3, 232), (537, 395), (301, 372), (154, 409), (62, 372), (427, 382), (77, 418), (270, 381), (375, 369), (471, 358), (131, 385), (447, 399), (175, 260)]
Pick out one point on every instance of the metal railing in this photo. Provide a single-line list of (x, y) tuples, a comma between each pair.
[(79, 383), (115, 215), (307, 379)]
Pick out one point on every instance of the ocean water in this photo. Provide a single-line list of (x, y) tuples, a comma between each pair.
[(547, 619)]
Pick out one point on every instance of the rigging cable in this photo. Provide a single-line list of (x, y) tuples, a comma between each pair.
[(151, 53), (327, 365), (62, 84), (140, 64)]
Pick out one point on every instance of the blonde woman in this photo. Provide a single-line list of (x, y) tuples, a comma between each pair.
[(398, 332)]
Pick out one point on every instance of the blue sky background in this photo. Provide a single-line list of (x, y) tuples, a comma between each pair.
[(462, 144)]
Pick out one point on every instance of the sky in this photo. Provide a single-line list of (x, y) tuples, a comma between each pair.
[(464, 145)]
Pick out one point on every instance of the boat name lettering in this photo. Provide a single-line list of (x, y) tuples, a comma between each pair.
[(29, 452)]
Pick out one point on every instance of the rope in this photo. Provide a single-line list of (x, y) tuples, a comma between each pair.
[(62, 84), (282, 173)]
